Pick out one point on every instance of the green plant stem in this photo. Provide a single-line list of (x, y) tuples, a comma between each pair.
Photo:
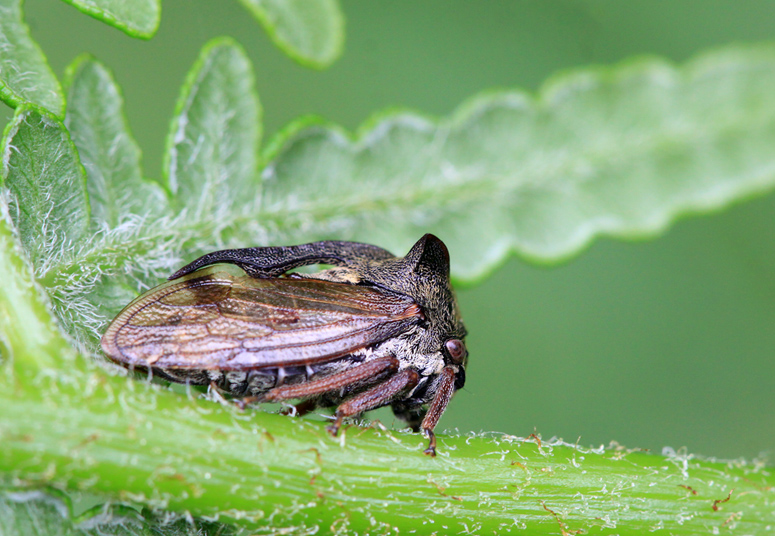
[(69, 423)]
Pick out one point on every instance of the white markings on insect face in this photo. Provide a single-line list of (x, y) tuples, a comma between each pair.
[(433, 364), (425, 364)]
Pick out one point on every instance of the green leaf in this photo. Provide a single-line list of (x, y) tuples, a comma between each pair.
[(618, 151), (25, 76), (46, 185), (25, 512), (108, 152), (212, 148), (309, 31), (136, 18)]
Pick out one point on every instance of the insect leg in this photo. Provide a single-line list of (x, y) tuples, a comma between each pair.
[(443, 395), (375, 397), (358, 373)]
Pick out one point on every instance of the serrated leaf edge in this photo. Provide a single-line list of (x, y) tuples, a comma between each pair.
[(547, 96)]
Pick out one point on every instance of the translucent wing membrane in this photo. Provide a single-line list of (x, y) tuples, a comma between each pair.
[(220, 318)]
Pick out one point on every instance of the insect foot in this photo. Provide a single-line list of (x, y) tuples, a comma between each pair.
[(372, 331)]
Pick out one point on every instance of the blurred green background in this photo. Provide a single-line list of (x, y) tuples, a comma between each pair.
[(654, 343)]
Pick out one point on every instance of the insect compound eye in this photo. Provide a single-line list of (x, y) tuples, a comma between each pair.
[(456, 349)]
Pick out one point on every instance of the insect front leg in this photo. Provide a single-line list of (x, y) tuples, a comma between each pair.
[(375, 397), (443, 395)]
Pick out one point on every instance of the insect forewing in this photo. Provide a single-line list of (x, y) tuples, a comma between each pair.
[(220, 318)]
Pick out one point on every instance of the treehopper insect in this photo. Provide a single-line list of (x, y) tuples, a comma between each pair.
[(372, 331)]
